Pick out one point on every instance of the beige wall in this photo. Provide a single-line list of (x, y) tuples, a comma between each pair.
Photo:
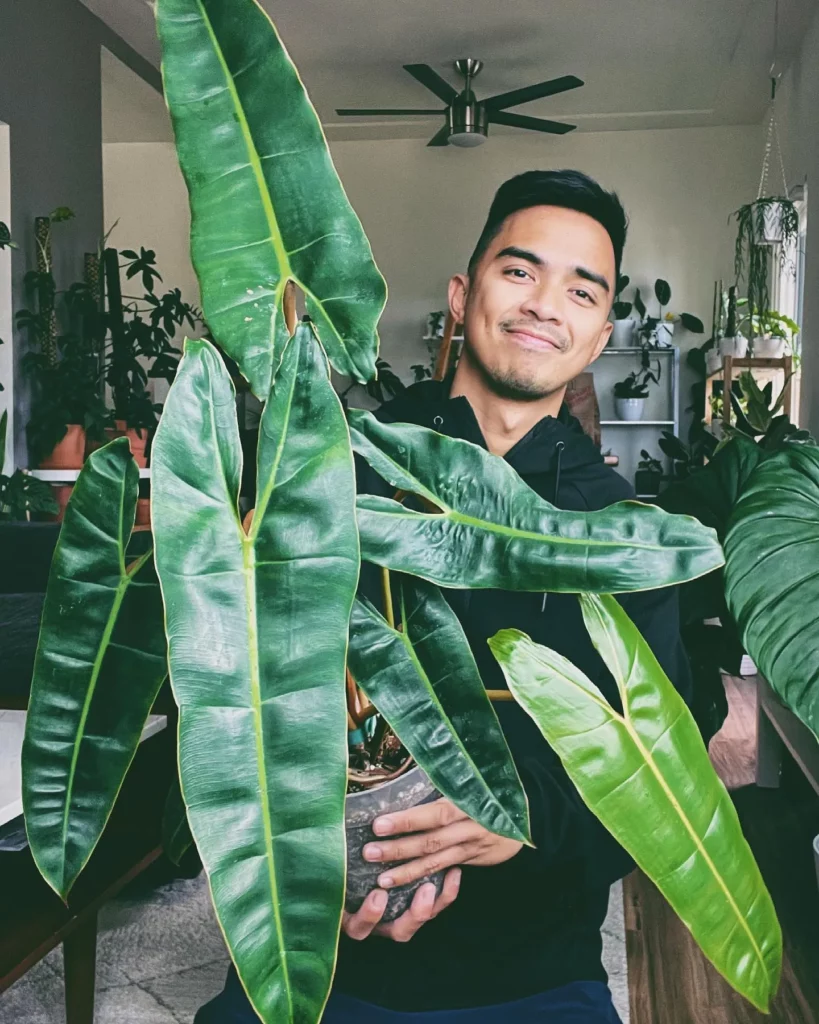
[(423, 209), (797, 106)]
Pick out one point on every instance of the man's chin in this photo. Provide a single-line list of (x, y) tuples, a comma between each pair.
[(520, 387)]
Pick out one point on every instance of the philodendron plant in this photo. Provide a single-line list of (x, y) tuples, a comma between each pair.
[(257, 619)]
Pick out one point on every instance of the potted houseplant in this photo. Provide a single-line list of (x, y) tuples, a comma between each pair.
[(659, 330), (142, 331), (734, 343), (266, 719), (622, 334), (649, 475), (772, 333), (630, 394), (767, 220), (65, 365)]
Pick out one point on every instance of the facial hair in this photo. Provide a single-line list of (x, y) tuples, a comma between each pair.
[(519, 384)]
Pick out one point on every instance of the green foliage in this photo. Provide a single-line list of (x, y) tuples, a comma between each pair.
[(751, 254), (635, 385), (262, 733), (694, 848)]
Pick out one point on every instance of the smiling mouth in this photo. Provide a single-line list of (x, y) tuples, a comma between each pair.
[(536, 342)]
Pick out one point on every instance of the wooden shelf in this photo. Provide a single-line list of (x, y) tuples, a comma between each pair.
[(66, 476), (750, 363)]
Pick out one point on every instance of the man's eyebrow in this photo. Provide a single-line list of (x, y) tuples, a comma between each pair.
[(537, 261)]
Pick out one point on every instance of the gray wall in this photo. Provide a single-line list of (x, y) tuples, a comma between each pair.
[(50, 98)]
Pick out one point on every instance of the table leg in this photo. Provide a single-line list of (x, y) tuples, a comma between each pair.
[(80, 962), (768, 749)]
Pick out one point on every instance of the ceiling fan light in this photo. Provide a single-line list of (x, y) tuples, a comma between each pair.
[(467, 139)]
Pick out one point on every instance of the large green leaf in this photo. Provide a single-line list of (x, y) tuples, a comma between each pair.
[(493, 530), (647, 777), (266, 202), (710, 493), (424, 681), (772, 575), (101, 659), (257, 631)]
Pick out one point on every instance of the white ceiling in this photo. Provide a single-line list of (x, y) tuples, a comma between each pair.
[(646, 63)]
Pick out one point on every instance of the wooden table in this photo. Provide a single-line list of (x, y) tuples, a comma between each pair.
[(33, 919)]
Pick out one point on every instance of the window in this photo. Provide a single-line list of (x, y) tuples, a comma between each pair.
[(789, 286)]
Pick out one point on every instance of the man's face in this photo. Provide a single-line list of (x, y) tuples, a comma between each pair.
[(535, 311)]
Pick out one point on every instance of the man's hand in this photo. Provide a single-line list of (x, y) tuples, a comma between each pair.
[(424, 906), (446, 837)]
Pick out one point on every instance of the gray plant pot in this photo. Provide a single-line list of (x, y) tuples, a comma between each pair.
[(622, 334), (408, 790), (629, 408)]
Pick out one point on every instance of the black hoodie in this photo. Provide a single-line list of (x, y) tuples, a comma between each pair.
[(532, 923)]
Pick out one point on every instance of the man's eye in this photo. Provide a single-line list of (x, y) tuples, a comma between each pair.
[(584, 294), (517, 271)]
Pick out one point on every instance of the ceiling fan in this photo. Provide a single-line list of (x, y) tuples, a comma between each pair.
[(467, 117)]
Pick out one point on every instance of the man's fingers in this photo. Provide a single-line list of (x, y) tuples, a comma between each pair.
[(360, 924), (449, 892), (416, 819), (423, 844), (420, 911), (401, 874)]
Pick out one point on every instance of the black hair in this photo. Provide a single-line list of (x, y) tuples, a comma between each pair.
[(572, 190)]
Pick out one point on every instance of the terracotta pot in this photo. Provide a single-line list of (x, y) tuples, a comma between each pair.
[(143, 512), (68, 453), (62, 492), (136, 441)]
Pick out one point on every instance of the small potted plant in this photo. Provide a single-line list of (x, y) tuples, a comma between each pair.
[(649, 475), (659, 330), (631, 393), (622, 334), (734, 343), (772, 332)]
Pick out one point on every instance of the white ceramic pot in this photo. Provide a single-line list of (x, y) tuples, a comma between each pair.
[(622, 334), (629, 408), (736, 346), (772, 223), (713, 360), (665, 333), (766, 347)]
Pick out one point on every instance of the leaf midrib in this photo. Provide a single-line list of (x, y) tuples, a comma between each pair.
[(672, 799)]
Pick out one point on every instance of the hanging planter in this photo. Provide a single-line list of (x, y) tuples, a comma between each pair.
[(768, 221)]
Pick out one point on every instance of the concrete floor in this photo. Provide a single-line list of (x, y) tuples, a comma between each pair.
[(160, 956)]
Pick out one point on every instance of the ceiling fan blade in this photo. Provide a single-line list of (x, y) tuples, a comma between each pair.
[(346, 112), (429, 78), (532, 92), (440, 138), (536, 124)]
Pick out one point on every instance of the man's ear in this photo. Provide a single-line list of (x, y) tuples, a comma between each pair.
[(458, 291), (602, 341)]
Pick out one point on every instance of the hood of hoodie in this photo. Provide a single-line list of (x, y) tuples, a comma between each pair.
[(552, 439)]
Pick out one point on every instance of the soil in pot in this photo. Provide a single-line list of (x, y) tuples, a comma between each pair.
[(69, 453), (408, 787)]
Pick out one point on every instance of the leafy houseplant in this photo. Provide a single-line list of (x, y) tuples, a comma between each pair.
[(142, 331), (771, 332), (631, 393), (622, 334), (649, 474), (65, 364), (752, 251), (660, 329), (264, 705)]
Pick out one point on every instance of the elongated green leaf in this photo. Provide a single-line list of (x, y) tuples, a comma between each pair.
[(100, 662), (424, 681), (772, 575), (257, 630), (647, 777), (176, 833), (266, 202), (495, 531)]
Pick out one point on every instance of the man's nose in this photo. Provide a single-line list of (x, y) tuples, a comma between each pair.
[(544, 302)]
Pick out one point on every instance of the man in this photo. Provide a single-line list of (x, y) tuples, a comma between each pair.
[(515, 934)]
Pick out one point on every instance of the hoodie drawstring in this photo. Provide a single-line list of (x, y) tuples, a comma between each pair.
[(559, 455)]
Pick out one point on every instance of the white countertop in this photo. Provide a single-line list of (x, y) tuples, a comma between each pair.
[(12, 727)]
